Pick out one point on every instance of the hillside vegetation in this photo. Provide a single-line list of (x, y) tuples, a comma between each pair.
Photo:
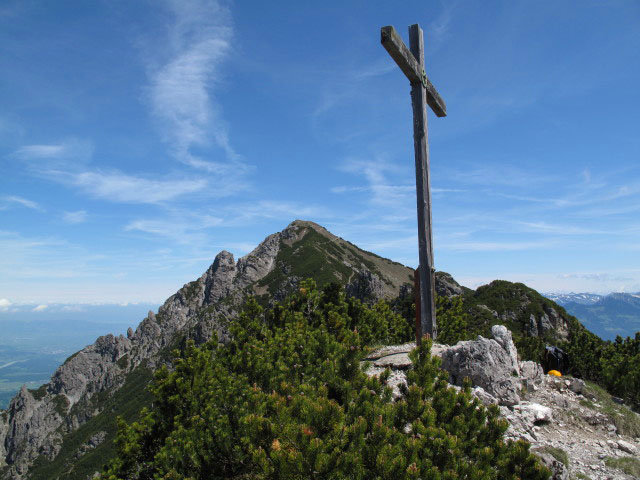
[(614, 365), (286, 398)]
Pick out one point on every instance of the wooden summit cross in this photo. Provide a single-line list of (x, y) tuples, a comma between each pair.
[(411, 62)]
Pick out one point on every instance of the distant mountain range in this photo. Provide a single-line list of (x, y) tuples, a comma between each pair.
[(605, 315), (580, 298)]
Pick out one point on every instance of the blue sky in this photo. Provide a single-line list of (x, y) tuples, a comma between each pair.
[(138, 139)]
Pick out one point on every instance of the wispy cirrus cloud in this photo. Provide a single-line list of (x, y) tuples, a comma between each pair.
[(65, 163), (79, 216), (438, 29), (275, 209), (183, 228), (120, 187), (598, 277), (480, 246), (544, 227), (66, 153), (382, 191), (13, 199), (182, 89)]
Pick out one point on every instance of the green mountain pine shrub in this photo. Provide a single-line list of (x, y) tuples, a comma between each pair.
[(287, 399)]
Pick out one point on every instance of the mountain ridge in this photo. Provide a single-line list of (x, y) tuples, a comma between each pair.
[(32, 429), (65, 428)]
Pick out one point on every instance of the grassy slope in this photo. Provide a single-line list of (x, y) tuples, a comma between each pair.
[(327, 258)]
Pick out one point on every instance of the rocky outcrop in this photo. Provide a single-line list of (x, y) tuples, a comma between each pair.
[(4, 426), (33, 425), (559, 470), (446, 286), (549, 322), (571, 429), (488, 363), (366, 286), (90, 370)]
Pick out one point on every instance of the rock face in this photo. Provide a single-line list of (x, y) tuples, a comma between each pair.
[(366, 286), (36, 422), (549, 321), (446, 286), (489, 364)]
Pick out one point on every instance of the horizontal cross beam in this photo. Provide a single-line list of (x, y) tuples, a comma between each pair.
[(393, 44)]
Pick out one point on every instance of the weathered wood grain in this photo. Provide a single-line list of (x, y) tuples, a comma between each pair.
[(411, 67), (423, 190)]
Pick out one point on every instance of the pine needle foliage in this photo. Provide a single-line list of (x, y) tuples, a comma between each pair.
[(287, 399)]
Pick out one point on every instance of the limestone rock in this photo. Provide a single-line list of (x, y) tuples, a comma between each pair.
[(558, 469), (482, 307), (530, 370), (576, 385), (4, 426), (486, 398), (397, 361), (533, 413), (446, 286), (367, 287), (504, 338), (490, 364), (626, 447)]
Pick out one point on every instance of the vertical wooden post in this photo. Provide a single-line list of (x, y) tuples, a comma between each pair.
[(416, 299), (423, 190)]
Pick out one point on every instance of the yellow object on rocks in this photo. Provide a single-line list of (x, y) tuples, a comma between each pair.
[(555, 373)]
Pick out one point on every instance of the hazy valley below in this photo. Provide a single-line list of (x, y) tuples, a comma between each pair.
[(34, 343)]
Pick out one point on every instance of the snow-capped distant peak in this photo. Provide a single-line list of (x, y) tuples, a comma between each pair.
[(583, 298)]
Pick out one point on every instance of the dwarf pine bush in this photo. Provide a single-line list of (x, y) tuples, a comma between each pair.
[(287, 399)]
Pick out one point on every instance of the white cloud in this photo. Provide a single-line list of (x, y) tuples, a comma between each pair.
[(383, 192), (597, 277), (181, 90), (40, 151), (75, 217), (22, 201), (438, 30), (120, 187), (184, 227), (4, 303), (493, 246), (276, 210), (68, 152), (40, 308), (560, 229), (65, 163)]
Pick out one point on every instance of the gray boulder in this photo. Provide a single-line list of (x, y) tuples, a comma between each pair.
[(530, 370), (489, 363)]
